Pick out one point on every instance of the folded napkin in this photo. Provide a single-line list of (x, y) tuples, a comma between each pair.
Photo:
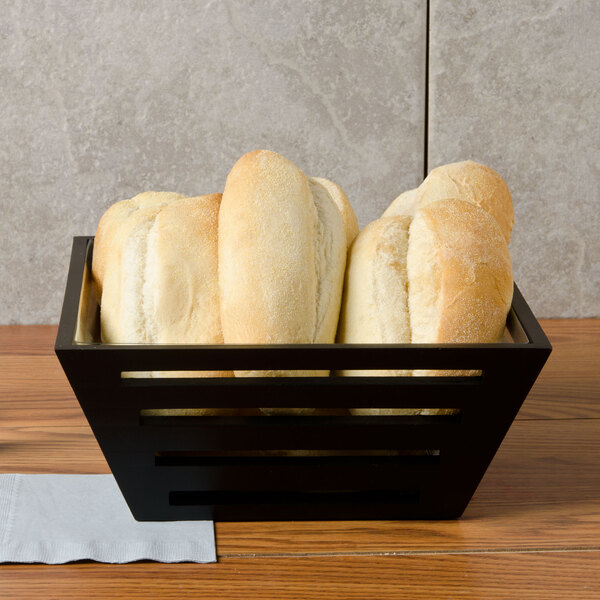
[(59, 518)]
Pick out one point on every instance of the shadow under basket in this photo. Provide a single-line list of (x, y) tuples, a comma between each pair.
[(325, 465)]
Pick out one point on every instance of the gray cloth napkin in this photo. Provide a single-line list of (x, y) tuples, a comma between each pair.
[(59, 518)]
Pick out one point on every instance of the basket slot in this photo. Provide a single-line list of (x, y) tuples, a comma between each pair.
[(154, 378), (346, 392), (332, 433), (198, 498), (285, 474), (187, 416), (294, 457)]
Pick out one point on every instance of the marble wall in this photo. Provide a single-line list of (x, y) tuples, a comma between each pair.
[(104, 99)]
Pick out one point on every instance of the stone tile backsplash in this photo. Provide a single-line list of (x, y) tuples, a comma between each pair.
[(516, 85), (103, 100)]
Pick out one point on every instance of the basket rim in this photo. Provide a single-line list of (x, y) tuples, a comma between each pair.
[(81, 260)]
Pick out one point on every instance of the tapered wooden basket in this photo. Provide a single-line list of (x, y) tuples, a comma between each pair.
[(328, 465)]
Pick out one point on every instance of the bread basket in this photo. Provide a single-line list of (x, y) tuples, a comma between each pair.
[(242, 468)]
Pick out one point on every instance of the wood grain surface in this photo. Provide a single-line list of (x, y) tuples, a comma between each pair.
[(569, 385), (517, 576), (537, 474), (532, 529)]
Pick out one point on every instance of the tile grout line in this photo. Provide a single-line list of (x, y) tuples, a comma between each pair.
[(426, 102)]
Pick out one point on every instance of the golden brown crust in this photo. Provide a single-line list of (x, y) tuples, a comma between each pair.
[(281, 256), (476, 276), (472, 182), (461, 283), (267, 272), (182, 257), (182, 253), (452, 285)]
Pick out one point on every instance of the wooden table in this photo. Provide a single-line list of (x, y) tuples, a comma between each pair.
[(532, 529)]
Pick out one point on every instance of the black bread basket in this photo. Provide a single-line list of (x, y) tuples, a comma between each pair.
[(326, 466)]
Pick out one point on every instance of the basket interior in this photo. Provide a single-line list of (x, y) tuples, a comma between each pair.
[(88, 314)]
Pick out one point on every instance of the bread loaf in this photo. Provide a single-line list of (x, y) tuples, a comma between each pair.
[(404, 204), (459, 273), (111, 223), (375, 302), (341, 200), (155, 264), (443, 277), (282, 254), (468, 181)]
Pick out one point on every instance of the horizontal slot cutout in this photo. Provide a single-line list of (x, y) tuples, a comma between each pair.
[(246, 458), (182, 416), (471, 375), (181, 374), (202, 498)]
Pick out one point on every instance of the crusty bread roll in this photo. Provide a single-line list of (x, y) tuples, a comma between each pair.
[(155, 262), (105, 244), (459, 273), (467, 180), (404, 204), (341, 200), (376, 288), (444, 277), (282, 255), (182, 289)]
